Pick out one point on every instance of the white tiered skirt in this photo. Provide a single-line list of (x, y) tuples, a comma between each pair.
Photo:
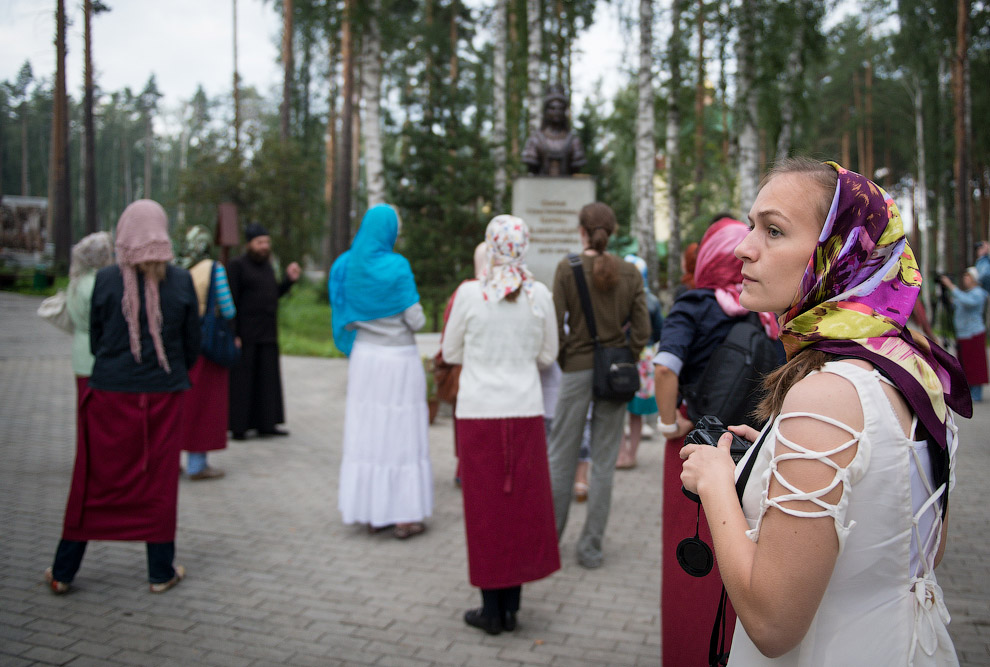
[(385, 473)]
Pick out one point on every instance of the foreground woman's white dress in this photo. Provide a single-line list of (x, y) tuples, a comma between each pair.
[(883, 605)]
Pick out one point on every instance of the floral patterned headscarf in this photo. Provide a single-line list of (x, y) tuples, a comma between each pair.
[(506, 241), (856, 295)]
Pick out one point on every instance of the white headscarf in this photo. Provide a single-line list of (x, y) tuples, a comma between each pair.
[(506, 241)]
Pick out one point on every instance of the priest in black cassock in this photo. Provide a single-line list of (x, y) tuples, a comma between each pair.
[(256, 382)]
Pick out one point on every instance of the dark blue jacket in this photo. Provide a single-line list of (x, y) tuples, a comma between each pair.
[(692, 330), (115, 368)]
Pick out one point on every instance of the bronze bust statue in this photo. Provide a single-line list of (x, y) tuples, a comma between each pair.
[(554, 150)]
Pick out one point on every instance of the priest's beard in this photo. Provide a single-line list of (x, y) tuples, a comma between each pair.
[(259, 257)]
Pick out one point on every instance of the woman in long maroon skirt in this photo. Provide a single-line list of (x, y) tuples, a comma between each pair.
[(502, 329), (204, 406), (144, 334)]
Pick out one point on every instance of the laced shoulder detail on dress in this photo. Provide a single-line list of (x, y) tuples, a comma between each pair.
[(841, 476)]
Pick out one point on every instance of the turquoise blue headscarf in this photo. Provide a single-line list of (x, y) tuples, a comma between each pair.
[(370, 281)]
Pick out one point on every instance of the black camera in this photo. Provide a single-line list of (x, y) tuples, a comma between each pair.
[(707, 432)]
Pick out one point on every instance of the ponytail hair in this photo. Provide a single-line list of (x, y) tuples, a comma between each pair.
[(598, 221)]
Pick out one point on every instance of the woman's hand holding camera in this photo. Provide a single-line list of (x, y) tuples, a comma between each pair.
[(705, 466)]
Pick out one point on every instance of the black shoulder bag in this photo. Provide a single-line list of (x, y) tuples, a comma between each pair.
[(615, 376)]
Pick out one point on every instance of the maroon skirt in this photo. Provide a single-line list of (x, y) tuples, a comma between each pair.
[(125, 483), (204, 408), (973, 358), (688, 604), (508, 505)]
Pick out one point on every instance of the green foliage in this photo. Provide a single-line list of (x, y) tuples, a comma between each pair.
[(304, 322), (439, 171), (283, 193)]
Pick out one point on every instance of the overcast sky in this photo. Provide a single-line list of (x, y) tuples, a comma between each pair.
[(189, 42), (182, 42)]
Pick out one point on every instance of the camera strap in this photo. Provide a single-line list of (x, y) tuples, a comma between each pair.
[(717, 655)]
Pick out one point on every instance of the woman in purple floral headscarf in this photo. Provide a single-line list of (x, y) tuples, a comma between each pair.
[(831, 558)]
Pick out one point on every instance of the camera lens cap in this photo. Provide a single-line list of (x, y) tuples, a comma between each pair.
[(695, 557)]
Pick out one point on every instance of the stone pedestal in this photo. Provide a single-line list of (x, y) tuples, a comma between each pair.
[(550, 207)]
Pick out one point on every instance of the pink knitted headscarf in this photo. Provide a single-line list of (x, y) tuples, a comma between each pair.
[(719, 269), (142, 236)]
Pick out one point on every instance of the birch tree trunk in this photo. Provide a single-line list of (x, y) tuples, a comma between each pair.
[(699, 113), (791, 85), (921, 192), (645, 147), (500, 120), (371, 92), (287, 66), (341, 237), (535, 52), (749, 139), (723, 85), (673, 149)]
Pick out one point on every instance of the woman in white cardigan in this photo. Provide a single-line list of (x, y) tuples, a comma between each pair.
[(503, 329)]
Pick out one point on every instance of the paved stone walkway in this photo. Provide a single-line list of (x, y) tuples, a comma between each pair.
[(276, 579)]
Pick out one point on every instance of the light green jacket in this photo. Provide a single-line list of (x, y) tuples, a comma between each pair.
[(79, 296)]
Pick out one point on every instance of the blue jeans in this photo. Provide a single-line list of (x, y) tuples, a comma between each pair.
[(69, 555), (195, 462)]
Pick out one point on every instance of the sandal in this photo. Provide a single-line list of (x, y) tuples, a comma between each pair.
[(580, 491), (374, 530), (57, 587), (404, 531), (180, 574)]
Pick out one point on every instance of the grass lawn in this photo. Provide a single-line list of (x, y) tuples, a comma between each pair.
[(304, 323)]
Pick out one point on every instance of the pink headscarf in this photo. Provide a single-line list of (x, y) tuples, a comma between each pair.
[(719, 269), (142, 236)]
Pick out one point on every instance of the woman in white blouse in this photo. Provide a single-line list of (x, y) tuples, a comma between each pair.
[(831, 559), (503, 329)]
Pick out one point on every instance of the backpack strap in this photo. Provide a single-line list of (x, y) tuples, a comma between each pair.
[(582, 289)]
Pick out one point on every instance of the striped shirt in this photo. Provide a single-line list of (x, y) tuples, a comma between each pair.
[(221, 292)]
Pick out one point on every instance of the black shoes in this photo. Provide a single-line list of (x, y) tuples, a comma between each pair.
[(267, 433), (489, 624)]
